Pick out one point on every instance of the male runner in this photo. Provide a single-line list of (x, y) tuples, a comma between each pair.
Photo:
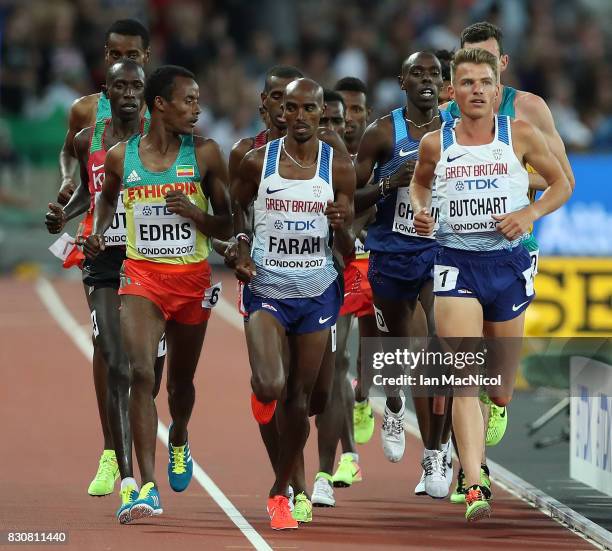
[(299, 185), (125, 39), (401, 262), (483, 276), (532, 109), (445, 57), (169, 177), (125, 91)]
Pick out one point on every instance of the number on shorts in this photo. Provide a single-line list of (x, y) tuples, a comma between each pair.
[(445, 277), (211, 295), (94, 324)]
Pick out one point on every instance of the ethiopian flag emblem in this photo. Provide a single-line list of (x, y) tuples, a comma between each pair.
[(185, 171)]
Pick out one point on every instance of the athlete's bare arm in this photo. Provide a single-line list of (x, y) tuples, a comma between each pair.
[(82, 114), (215, 186), (79, 202), (340, 212), (376, 146), (533, 109), (243, 192), (422, 179), (106, 203), (530, 146)]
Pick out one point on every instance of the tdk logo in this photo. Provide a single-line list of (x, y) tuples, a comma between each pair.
[(300, 225), (481, 184)]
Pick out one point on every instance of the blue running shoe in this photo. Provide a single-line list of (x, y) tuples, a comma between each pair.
[(129, 495), (147, 504), (180, 466)]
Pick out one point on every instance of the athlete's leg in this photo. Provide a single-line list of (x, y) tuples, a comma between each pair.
[(307, 352), (159, 371), (142, 325), (462, 317), (367, 330), (184, 348), (330, 421), (99, 377), (106, 303)]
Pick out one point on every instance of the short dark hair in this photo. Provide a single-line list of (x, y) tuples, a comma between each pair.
[(161, 83), (332, 95), (351, 84), (281, 71), (129, 27), (445, 57), (481, 31)]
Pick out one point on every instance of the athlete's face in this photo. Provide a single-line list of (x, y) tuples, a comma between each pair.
[(272, 100), (475, 89), (422, 79), (125, 90), (333, 117), (491, 46), (182, 111), (303, 110), (123, 46), (356, 115)]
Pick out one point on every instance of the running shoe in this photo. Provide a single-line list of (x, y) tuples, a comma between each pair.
[(419, 489), (363, 422), (348, 471), (323, 491), (448, 459), (262, 411), (458, 496), (108, 471), (129, 495), (302, 510), (477, 503), (147, 504), (280, 515), (392, 434), (434, 465), (498, 422), (180, 466), (291, 496)]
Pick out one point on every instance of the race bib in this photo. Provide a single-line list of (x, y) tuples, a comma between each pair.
[(115, 235), (403, 220), (380, 320), (333, 337), (472, 203), (529, 276), (161, 233), (161, 347), (445, 277), (211, 295), (61, 247), (293, 242)]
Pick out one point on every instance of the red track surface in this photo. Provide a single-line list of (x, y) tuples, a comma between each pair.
[(52, 441)]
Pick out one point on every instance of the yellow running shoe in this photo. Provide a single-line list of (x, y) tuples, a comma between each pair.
[(348, 471), (477, 503), (498, 422), (302, 510), (108, 471), (363, 422), (129, 495)]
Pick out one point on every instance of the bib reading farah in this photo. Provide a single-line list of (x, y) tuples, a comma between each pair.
[(291, 246)]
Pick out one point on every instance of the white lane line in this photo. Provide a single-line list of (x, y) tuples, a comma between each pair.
[(55, 306)]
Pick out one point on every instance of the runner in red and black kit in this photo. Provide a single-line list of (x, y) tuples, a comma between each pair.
[(125, 90)]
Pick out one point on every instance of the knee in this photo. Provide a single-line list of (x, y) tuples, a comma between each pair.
[(118, 373), (298, 404), (143, 377), (501, 401), (267, 387)]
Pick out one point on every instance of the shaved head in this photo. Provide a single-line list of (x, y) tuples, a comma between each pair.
[(125, 64), (305, 87), (418, 58)]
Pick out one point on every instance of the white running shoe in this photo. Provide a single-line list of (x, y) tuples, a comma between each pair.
[(419, 489), (323, 493), (291, 497), (434, 463), (448, 460), (392, 434)]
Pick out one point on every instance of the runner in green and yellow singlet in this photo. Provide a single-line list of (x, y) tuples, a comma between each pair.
[(169, 178)]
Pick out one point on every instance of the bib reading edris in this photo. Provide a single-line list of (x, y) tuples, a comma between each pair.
[(153, 232)]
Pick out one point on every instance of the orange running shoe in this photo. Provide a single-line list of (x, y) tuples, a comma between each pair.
[(280, 514), (262, 411)]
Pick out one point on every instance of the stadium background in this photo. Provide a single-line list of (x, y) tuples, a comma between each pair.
[(52, 53)]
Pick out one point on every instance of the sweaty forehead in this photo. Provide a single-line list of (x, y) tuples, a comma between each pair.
[(279, 83), (423, 59), (304, 95), (474, 70), (125, 73)]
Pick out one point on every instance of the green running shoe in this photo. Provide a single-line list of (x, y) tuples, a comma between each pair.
[(363, 422), (498, 422), (108, 471), (477, 503), (302, 510), (458, 496), (348, 471)]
